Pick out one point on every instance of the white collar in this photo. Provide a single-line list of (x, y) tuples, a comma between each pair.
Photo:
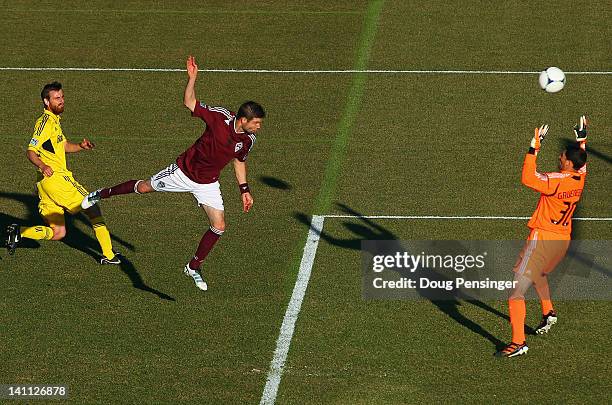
[(241, 132)]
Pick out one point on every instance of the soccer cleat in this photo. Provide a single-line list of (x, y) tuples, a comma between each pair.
[(114, 260), (197, 278), (92, 199), (512, 350), (13, 236), (548, 321)]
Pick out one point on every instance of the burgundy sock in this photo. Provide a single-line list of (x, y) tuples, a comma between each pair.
[(206, 244), (123, 188)]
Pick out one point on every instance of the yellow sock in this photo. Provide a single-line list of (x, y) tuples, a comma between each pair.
[(103, 236), (37, 232)]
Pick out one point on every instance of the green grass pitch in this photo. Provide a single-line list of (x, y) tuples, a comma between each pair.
[(377, 143)]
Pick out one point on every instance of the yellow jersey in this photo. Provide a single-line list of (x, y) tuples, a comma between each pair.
[(48, 141)]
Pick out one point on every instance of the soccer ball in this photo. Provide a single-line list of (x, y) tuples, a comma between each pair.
[(552, 80)]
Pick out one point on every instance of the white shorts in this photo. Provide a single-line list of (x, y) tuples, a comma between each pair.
[(172, 179)]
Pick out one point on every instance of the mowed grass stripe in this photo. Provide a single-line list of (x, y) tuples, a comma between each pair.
[(334, 165), (323, 203)]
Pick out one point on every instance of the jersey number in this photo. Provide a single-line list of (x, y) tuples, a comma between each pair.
[(566, 214)]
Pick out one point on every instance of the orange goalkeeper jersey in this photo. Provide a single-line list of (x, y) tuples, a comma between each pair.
[(559, 194)]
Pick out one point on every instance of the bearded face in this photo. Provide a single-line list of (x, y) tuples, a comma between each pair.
[(55, 102)]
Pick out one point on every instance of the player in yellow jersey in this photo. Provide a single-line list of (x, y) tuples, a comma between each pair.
[(551, 227), (59, 192)]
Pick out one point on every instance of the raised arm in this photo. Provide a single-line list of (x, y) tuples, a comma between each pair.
[(580, 130), (533, 179), (530, 176), (192, 72)]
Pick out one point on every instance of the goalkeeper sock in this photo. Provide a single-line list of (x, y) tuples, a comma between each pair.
[(517, 319), (103, 236), (542, 289), (37, 232), (206, 244)]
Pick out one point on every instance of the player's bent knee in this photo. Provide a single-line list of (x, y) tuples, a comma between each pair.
[(144, 186), (517, 296), (218, 226), (93, 212), (59, 232)]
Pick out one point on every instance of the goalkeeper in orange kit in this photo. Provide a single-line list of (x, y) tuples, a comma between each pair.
[(551, 227)]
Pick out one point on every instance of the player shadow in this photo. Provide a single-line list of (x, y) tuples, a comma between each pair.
[(137, 282), (599, 155), (6, 220), (587, 261), (448, 302), (274, 182), (579, 231), (75, 237), (78, 240), (32, 217), (590, 150)]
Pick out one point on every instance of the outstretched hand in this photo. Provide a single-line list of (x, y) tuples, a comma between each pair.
[(86, 144), (538, 137), (247, 201), (580, 130), (192, 67)]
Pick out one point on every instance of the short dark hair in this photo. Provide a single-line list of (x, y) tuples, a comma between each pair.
[(576, 155), (250, 110), (53, 86)]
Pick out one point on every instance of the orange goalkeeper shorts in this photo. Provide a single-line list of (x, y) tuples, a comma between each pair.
[(541, 253)]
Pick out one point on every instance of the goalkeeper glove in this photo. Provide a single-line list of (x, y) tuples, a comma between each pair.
[(538, 137), (581, 130)]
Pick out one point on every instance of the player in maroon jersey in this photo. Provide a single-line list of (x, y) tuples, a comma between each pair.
[(228, 137)]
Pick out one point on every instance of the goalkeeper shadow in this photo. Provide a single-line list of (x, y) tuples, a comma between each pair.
[(448, 303)]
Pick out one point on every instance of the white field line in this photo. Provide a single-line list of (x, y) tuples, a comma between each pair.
[(293, 309), (451, 217), (299, 291), (282, 71)]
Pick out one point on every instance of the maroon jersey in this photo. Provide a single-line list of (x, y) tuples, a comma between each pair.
[(218, 145)]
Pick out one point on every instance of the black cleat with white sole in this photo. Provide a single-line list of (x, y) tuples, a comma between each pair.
[(114, 260), (513, 350), (13, 237), (548, 321)]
